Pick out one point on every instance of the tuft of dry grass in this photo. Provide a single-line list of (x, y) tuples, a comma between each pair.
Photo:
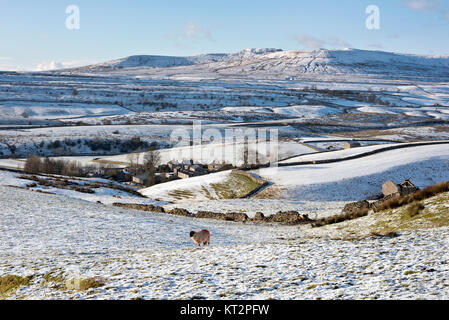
[(414, 209), (340, 218), (89, 283), (84, 284), (10, 283)]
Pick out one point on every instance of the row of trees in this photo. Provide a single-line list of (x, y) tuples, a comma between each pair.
[(37, 165), (151, 165)]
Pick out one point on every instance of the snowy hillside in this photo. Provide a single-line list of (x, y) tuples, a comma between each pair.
[(359, 179), (154, 61), (290, 63), (342, 61)]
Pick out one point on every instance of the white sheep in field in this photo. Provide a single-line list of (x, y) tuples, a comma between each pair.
[(201, 237)]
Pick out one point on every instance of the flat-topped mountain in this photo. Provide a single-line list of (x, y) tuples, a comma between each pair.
[(283, 63)]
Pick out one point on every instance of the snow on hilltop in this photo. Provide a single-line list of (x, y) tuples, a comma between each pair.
[(155, 61), (345, 61), (277, 61)]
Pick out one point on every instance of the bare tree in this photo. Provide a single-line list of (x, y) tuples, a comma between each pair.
[(152, 160), (133, 160), (33, 165)]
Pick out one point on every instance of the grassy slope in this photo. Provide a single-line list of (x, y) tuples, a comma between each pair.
[(434, 215), (234, 187)]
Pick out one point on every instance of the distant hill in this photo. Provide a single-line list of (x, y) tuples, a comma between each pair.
[(283, 63)]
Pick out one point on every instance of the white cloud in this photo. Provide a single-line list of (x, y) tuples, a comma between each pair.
[(53, 65), (310, 41), (427, 6), (7, 64), (47, 66), (315, 43), (190, 33), (422, 5), (336, 42), (196, 32)]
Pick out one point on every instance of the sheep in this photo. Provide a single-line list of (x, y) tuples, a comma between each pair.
[(202, 237)]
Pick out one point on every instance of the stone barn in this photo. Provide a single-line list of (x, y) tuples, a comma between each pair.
[(407, 187), (141, 178), (352, 144), (390, 188), (183, 174)]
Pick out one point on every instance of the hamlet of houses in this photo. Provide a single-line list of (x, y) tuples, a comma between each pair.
[(173, 170), (188, 168), (182, 170)]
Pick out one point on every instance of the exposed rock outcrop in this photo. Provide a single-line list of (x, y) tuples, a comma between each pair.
[(289, 217), (356, 206)]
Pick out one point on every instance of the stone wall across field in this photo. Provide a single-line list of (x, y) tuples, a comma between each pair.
[(289, 217)]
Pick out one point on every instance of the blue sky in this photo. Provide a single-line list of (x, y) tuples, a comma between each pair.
[(34, 33)]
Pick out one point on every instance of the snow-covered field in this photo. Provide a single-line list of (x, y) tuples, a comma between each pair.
[(232, 153), (150, 256), (342, 154), (362, 178), (304, 111)]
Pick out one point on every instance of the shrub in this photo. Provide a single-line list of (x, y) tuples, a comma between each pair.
[(54, 145)]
